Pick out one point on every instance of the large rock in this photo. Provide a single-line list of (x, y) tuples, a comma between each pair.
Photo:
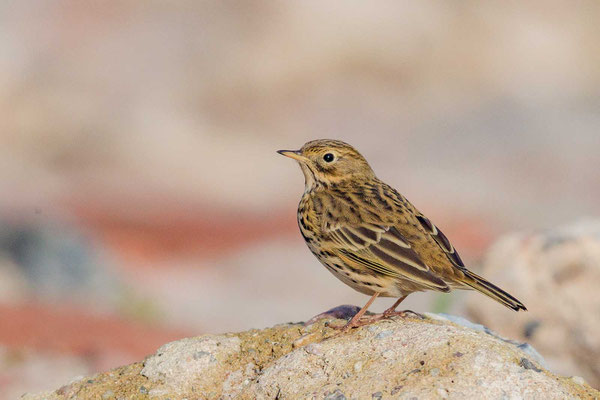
[(403, 358), (557, 275)]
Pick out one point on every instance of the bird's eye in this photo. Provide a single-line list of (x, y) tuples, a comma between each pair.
[(328, 157)]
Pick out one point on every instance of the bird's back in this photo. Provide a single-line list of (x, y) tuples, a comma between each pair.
[(375, 202)]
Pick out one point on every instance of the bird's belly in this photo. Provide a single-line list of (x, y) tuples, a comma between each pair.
[(361, 282)]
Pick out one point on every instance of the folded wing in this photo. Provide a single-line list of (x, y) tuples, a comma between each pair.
[(382, 249)]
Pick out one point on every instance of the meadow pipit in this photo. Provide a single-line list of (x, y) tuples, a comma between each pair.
[(371, 237)]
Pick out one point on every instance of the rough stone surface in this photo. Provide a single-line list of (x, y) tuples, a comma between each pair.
[(557, 275), (189, 364), (401, 358)]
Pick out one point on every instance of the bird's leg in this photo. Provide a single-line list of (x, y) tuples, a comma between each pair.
[(355, 321), (392, 310)]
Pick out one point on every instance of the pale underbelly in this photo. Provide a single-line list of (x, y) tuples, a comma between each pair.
[(363, 283)]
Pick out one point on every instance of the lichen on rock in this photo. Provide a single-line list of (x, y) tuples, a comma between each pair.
[(397, 358)]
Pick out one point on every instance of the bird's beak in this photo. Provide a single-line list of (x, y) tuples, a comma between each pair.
[(295, 154)]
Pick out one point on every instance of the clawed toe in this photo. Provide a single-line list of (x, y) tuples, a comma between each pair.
[(403, 314), (370, 319)]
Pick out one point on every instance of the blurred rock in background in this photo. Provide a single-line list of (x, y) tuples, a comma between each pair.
[(138, 173), (56, 261), (556, 274)]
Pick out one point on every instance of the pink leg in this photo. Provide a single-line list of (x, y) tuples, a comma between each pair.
[(355, 320), (391, 312), (392, 309)]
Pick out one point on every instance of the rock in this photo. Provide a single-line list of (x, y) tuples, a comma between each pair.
[(404, 357), (557, 275), (57, 260), (183, 366)]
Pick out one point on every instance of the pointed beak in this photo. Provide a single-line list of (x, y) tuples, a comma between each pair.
[(295, 154)]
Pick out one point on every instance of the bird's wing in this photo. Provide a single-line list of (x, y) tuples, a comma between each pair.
[(382, 249), (441, 240), (436, 238)]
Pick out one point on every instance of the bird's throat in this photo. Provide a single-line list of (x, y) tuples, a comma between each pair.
[(310, 182)]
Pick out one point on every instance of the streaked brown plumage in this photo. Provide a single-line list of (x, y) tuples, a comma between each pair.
[(370, 236)]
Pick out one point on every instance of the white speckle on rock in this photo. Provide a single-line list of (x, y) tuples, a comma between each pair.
[(442, 393), (234, 382), (384, 334), (388, 354), (313, 348), (157, 392), (358, 366), (578, 379)]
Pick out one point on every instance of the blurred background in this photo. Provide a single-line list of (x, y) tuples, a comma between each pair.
[(141, 198)]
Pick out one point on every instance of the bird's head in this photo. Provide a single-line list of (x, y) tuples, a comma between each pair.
[(327, 162)]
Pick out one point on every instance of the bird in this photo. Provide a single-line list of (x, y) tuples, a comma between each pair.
[(371, 237)]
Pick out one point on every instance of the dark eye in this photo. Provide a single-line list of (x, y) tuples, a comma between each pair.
[(328, 157)]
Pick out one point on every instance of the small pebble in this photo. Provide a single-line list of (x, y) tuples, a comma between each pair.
[(377, 395), (143, 390), (337, 395), (525, 363), (396, 389)]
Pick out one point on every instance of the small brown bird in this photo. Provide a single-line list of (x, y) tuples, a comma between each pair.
[(371, 237)]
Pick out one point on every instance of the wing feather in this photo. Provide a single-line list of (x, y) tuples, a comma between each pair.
[(442, 241), (384, 250)]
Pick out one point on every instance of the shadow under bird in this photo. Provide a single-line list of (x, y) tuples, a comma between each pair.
[(371, 237)]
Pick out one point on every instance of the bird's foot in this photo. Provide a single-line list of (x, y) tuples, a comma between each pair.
[(403, 314), (371, 319), (368, 320)]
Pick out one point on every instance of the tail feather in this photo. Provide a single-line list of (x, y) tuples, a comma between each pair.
[(489, 289)]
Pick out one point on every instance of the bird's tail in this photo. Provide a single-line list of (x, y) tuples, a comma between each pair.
[(489, 289)]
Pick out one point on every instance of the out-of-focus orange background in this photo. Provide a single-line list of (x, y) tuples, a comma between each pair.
[(141, 196)]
